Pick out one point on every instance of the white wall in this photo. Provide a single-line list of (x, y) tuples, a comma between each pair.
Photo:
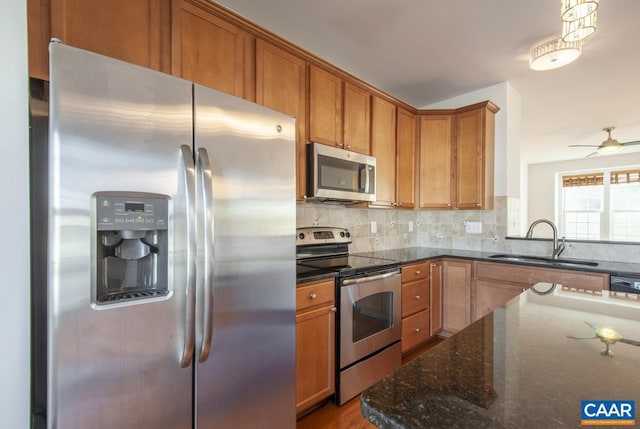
[(507, 138), (541, 179), (14, 218)]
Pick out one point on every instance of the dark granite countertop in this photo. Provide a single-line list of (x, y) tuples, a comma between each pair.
[(415, 254), (306, 274), (516, 368)]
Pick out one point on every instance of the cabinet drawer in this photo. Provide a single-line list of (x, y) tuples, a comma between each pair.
[(414, 272), (316, 293), (415, 297), (415, 330)]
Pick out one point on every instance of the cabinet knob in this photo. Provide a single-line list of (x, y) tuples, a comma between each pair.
[(399, 204), (417, 271), (477, 204), (417, 296), (333, 309), (433, 265), (416, 329), (348, 146), (339, 145), (313, 296)]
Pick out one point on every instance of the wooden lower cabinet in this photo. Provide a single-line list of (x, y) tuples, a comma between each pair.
[(435, 297), (496, 283), (315, 343), (415, 305), (490, 295), (456, 294)]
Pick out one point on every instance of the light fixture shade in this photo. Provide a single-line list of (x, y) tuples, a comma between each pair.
[(553, 54), (579, 29), (572, 10)]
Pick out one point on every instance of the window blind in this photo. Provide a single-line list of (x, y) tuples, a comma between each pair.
[(621, 177), (592, 179)]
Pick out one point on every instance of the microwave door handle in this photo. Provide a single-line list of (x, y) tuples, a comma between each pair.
[(190, 314), (364, 169)]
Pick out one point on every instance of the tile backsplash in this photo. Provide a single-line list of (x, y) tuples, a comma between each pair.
[(447, 229)]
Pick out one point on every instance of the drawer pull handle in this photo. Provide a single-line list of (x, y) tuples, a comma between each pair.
[(416, 329), (417, 271), (313, 296), (333, 309), (417, 296)]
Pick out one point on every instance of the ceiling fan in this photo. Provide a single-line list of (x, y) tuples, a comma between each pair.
[(610, 145)]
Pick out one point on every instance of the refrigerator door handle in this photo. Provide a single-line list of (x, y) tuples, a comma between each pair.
[(207, 197), (190, 315)]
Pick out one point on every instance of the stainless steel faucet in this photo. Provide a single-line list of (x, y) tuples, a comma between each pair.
[(557, 248)]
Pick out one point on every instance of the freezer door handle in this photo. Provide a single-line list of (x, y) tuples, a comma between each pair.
[(207, 197), (190, 314)]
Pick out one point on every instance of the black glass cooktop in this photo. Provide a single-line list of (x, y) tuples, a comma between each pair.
[(349, 265)]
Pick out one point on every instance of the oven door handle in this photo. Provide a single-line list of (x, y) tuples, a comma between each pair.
[(347, 282)]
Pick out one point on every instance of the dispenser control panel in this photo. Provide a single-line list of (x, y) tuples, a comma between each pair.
[(131, 212)]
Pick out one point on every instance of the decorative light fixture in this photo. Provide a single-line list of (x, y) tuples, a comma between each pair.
[(553, 54), (573, 10), (580, 29)]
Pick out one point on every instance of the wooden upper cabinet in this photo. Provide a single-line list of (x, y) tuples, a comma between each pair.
[(339, 112), (133, 31), (383, 147), (325, 107), (475, 156), (406, 159), (435, 161), (210, 51), (281, 85), (357, 118)]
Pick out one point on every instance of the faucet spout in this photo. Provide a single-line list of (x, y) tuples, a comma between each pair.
[(557, 248)]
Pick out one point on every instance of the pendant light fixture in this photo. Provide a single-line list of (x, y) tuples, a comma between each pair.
[(573, 10), (553, 54), (580, 29)]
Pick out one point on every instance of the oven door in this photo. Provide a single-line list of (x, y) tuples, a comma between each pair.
[(369, 315)]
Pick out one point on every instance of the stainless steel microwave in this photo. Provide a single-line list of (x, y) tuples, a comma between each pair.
[(339, 175)]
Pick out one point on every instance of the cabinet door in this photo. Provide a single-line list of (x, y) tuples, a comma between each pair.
[(281, 85), (315, 356), (209, 50), (383, 147), (491, 294), (325, 107), (133, 31), (435, 297), (474, 157), (435, 165), (457, 295), (357, 119), (406, 159)]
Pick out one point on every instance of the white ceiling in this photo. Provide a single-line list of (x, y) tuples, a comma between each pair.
[(425, 51)]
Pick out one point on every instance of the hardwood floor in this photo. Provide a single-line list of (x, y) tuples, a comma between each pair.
[(348, 416)]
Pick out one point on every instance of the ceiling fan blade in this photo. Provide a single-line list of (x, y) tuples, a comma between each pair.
[(583, 145), (630, 143)]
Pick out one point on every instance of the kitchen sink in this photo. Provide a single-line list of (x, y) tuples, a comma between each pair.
[(543, 260)]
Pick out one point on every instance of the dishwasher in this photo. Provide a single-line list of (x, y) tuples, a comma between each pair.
[(624, 284)]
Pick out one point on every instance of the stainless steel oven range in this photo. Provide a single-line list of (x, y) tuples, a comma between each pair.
[(368, 329)]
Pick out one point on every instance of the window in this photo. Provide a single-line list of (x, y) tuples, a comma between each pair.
[(601, 206)]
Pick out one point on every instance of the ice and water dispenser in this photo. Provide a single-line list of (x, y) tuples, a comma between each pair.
[(131, 246)]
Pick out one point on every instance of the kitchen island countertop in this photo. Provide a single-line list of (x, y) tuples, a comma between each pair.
[(516, 367)]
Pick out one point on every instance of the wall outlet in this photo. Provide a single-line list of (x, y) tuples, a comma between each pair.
[(410, 225), (473, 227), (374, 227)]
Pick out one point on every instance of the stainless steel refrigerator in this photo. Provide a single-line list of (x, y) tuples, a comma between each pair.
[(166, 258)]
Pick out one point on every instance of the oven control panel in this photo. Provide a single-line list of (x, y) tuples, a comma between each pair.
[(322, 235)]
